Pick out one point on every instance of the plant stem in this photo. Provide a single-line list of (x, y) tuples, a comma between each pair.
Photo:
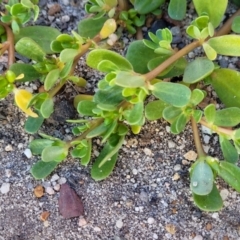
[(218, 130), (10, 41), (156, 71), (84, 49), (197, 139)]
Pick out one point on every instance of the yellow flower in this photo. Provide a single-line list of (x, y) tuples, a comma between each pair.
[(22, 98)]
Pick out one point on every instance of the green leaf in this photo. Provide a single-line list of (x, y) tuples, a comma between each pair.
[(112, 96), (85, 160), (66, 70), (201, 178), (135, 51), (210, 52), (85, 108), (134, 115), (47, 108), (228, 117), (147, 6), (228, 45), (230, 173), (107, 66), (51, 79), (171, 113), (236, 24), (68, 55), (42, 169), (98, 55), (54, 153), (177, 9), (197, 96), (229, 151), (197, 115), (111, 128), (154, 110), (30, 49), (173, 93), (209, 8), (197, 70), (97, 131), (42, 35), (226, 83), (32, 125), (129, 80), (90, 27), (37, 145), (210, 113), (179, 124), (30, 74), (211, 202)]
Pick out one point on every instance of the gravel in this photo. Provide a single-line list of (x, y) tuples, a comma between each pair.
[(143, 198)]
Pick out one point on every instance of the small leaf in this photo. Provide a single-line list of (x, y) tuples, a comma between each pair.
[(171, 113), (228, 117), (107, 66), (210, 113), (68, 55), (85, 107), (80, 97), (210, 52), (42, 169), (98, 55), (85, 160), (215, 17), (37, 145), (51, 79), (229, 151), (30, 49), (197, 115), (179, 124), (32, 125), (98, 131), (144, 7), (154, 110), (134, 115), (197, 70), (137, 49), (201, 178), (47, 108), (226, 83), (197, 96), (90, 27), (173, 93), (228, 45), (211, 202), (108, 28), (236, 24), (129, 80), (177, 9), (54, 153), (29, 72)]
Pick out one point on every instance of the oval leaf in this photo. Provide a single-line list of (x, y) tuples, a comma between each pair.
[(51, 79), (228, 117), (154, 110), (37, 145), (197, 70), (129, 80), (54, 153), (47, 108), (173, 93), (177, 9)]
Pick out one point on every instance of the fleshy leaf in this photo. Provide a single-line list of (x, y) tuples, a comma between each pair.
[(47, 108), (173, 93), (37, 145), (228, 45), (211, 202), (229, 151), (154, 110), (144, 7), (236, 25), (98, 55), (129, 80), (177, 9), (54, 153), (228, 117), (210, 113), (51, 79), (85, 107), (134, 115), (42, 169), (209, 8), (201, 178), (33, 124), (197, 70)]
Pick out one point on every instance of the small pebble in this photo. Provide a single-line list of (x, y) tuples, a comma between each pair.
[(191, 55), (62, 180), (20, 145), (55, 8), (191, 155), (8, 148), (44, 216), (215, 215), (5, 188), (82, 222), (8, 173), (119, 223), (147, 151), (171, 144), (97, 229), (46, 223), (143, 196), (224, 194), (155, 236), (54, 177), (177, 167), (50, 191), (176, 176), (65, 18), (134, 171), (57, 187), (150, 220), (198, 237), (27, 152)]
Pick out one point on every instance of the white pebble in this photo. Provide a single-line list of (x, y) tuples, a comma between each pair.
[(57, 187), (147, 151), (198, 237), (97, 229), (177, 167), (20, 145), (206, 130), (28, 153), (150, 220), (155, 236), (46, 223), (50, 190), (224, 194), (171, 144), (134, 171), (65, 18), (215, 215), (8, 173), (119, 223), (62, 180), (82, 222), (8, 148), (5, 188), (54, 177)]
